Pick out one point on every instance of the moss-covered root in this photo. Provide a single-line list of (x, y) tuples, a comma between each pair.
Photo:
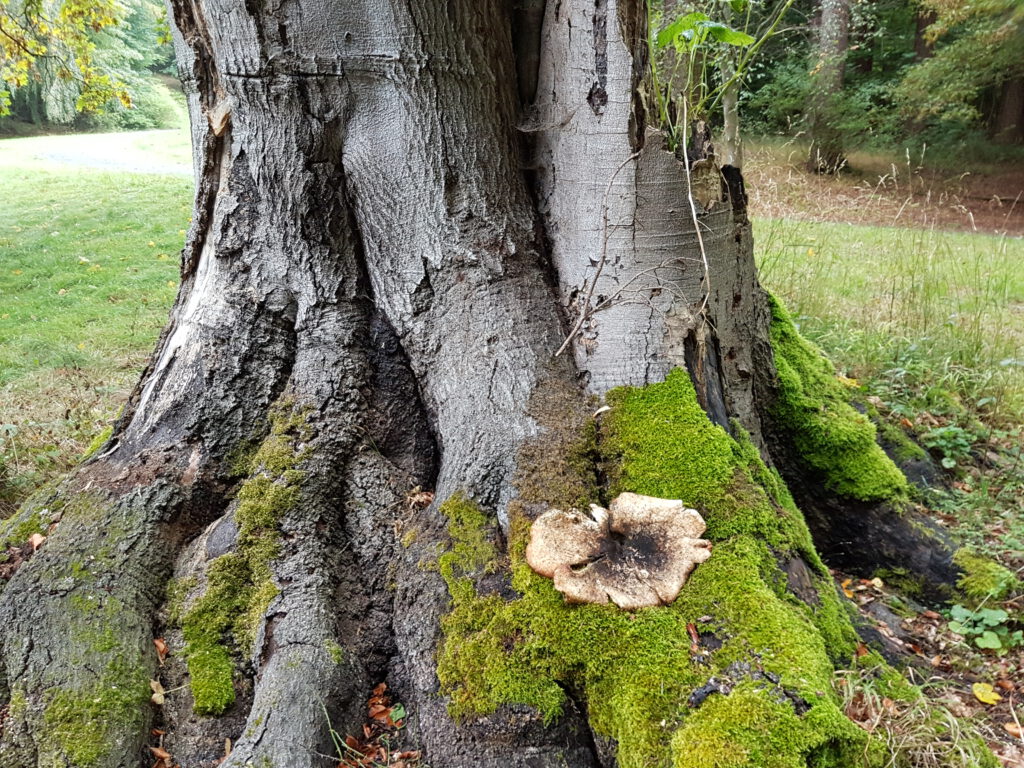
[(736, 672), (812, 413), (222, 620), (80, 650)]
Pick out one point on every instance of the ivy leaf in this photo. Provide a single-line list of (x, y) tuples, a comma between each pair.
[(984, 693)]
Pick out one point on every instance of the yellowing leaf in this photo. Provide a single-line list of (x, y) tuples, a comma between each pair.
[(151, 244), (984, 693), (158, 692), (846, 588)]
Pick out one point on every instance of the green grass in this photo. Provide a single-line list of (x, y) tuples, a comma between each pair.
[(918, 312), (88, 269)]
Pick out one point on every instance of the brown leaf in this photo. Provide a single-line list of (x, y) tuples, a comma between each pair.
[(160, 753), (1006, 685), (1013, 729), (36, 541), (379, 690), (161, 648), (931, 615), (862, 650)]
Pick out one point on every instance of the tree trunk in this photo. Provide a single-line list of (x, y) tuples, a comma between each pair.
[(1008, 126), (828, 74), (324, 478)]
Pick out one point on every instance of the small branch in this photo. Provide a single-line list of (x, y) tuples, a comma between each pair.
[(585, 312)]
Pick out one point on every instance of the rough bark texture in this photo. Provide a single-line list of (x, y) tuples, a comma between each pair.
[(373, 292)]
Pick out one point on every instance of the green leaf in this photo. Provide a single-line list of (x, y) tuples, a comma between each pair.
[(679, 29), (948, 462), (738, 6), (988, 640), (728, 35), (956, 626), (993, 616)]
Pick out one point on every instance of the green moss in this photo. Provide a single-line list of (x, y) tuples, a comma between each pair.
[(98, 442), (637, 670), (239, 587), (335, 651), (79, 721), (829, 436), (15, 531), (903, 448), (983, 577), (751, 728)]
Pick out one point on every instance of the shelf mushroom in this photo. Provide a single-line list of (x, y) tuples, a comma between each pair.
[(637, 553)]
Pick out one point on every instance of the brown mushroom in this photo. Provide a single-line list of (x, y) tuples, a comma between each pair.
[(636, 554)]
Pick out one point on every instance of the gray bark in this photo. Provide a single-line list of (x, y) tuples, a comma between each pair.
[(370, 246)]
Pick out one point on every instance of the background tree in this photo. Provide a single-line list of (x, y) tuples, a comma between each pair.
[(326, 475), (828, 74)]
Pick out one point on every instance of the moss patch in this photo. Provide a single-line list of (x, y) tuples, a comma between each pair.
[(637, 671), (983, 577), (239, 587), (79, 721), (15, 531), (812, 410), (97, 442)]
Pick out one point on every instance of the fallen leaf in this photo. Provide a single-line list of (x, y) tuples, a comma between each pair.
[(158, 692), (846, 588), (862, 650), (160, 753), (1006, 685), (930, 615), (161, 648), (36, 540), (1013, 729), (984, 693)]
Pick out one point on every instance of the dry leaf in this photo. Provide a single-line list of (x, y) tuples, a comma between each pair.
[(36, 540), (161, 648), (1013, 729), (158, 693), (984, 693), (846, 588), (862, 650), (160, 753), (1006, 685)]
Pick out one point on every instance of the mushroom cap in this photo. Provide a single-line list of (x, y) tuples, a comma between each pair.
[(638, 553)]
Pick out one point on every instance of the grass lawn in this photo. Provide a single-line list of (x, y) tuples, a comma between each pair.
[(923, 307), (88, 269)]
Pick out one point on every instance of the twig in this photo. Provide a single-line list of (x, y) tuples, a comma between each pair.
[(585, 310), (693, 213), (1013, 712)]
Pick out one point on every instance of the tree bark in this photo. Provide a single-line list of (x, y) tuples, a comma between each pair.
[(404, 211), (828, 74), (1008, 126)]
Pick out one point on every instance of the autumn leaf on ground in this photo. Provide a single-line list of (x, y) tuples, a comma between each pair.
[(1013, 729), (161, 649), (984, 693), (36, 540), (158, 693)]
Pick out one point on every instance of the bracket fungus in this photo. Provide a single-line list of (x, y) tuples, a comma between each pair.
[(637, 553)]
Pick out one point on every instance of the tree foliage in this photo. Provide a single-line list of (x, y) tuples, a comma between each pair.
[(978, 46), (62, 35)]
